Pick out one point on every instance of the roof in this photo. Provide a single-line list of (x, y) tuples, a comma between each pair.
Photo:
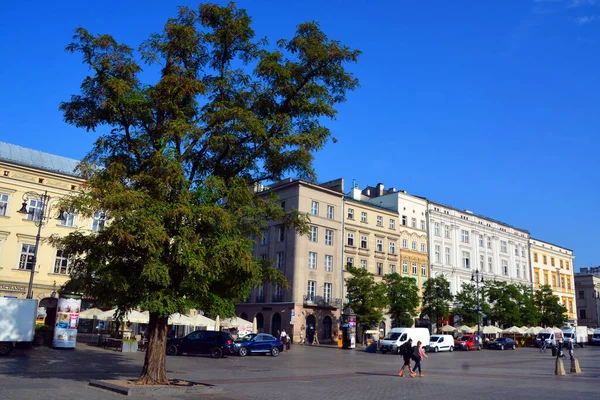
[(37, 159), (550, 243)]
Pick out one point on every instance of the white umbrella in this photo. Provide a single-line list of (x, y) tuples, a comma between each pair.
[(136, 317), (217, 323), (92, 313), (107, 315), (201, 320), (515, 330), (464, 329), (534, 330), (180, 319), (448, 328), (491, 330), (236, 322)]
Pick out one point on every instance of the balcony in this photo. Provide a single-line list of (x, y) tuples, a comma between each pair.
[(320, 301)]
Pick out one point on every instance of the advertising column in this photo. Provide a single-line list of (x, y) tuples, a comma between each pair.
[(67, 318)]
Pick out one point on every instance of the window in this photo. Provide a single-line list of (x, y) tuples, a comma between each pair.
[(422, 225), (423, 247), (392, 223), (581, 295), (464, 236), (567, 264), (544, 260), (392, 268), (481, 262), (350, 261), (516, 251), (505, 267), (503, 247), (314, 208), (328, 263), (405, 243), (414, 245), (379, 268), (280, 233), (436, 228), (351, 213), (280, 260), (69, 219), (312, 260), (414, 268), (404, 219), (328, 237), (350, 239), (569, 283), (265, 237), (3, 204), (522, 252), (466, 259), (536, 278), (310, 295), (481, 240), (518, 270), (363, 216), (27, 259), (363, 264), (99, 221), (535, 257), (561, 264), (61, 263), (380, 245), (277, 293), (490, 265), (447, 231), (392, 247), (34, 211), (552, 261), (489, 242), (582, 314), (570, 306), (330, 212), (313, 234), (438, 255), (327, 292), (447, 256), (260, 294), (364, 242), (405, 266), (379, 220), (423, 269), (413, 222)]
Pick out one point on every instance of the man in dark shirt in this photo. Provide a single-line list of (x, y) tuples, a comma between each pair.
[(406, 352)]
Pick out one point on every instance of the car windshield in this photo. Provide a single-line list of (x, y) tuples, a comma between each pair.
[(434, 338), (569, 335), (596, 335), (392, 336), (543, 335), (465, 338)]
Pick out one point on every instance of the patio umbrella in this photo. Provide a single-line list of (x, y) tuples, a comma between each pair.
[(236, 322), (448, 328), (534, 330), (464, 329), (491, 330), (92, 313), (201, 320), (254, 326), (136, 317), (180, 319), (107, 315), (515, 330), (217, 323)]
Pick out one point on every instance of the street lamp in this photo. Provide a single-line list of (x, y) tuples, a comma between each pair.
[(39, 217), (475, 278)]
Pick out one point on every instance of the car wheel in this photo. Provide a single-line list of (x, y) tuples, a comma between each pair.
[(172, 350), (502, 347), (243, 352), (435, 349), (216, 353), (275, 351), (451, 349), (514, 347), (5, 349)]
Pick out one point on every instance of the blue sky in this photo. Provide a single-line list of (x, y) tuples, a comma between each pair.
[(485, 105)]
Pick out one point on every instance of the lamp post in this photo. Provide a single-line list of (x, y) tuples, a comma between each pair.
[(475, 278), (39, 216)]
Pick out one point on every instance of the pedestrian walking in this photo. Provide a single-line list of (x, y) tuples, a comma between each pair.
[(418, 356), (316, 339), (288, 342), (283, 337), (405, 352)]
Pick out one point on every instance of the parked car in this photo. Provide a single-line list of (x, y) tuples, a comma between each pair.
[(215, 343), (502, 343), (441, 343), (467, 342), (258, 343)]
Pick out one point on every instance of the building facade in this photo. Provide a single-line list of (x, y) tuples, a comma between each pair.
[(23, 171), (462, 242), (553, 265), (313, 264), (587, 291)]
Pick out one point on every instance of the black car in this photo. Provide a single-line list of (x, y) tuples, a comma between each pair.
[(502, 343), (217, 344)]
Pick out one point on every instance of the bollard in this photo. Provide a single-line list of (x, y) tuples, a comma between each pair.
[(559, 369), (575, 366)]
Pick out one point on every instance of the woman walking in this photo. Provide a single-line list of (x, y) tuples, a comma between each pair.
[(418, 356)]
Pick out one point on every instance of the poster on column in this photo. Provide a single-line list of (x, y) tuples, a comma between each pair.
[(67, 319)]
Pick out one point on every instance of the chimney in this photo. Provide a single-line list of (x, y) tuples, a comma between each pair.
[(380, 189), (392, 190)]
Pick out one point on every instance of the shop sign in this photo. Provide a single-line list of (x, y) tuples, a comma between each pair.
[(12, 288)]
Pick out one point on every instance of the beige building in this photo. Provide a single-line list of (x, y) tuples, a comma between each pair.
[(312, 264), (25, 176), (553, 265)]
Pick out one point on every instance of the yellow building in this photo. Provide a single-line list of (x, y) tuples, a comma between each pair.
[(25, 176), (553, 265)]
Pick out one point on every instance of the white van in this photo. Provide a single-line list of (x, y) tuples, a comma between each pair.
[(441, 343), (550, 336), (396, 337)]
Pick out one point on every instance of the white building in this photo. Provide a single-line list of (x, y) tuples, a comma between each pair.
[(462, 242)]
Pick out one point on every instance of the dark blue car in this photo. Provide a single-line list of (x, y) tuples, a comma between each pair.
[(502, 343), (258, 343), (217, 344)]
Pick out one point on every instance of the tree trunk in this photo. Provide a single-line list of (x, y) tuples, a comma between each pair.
[(155, 366)]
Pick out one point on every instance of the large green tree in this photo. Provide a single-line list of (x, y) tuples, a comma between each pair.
[(552, 312), (436, 299), (530, 313), (466, 303), (403, 299), (178, 155), (504, 300), (366, 297)]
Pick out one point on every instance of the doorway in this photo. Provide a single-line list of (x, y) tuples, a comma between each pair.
[(276, 324), (311, 325), (327, 323)]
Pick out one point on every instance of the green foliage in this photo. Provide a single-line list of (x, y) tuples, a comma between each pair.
[(466, 301), (403, 298), (177, 157), (530, 313), (366, 298), (504, 299), (552, 312), (436, 299), (42, 328)]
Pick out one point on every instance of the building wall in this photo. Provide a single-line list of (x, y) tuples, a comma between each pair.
[(587, 295), (456, 236), (16, 230), (554, 265)]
